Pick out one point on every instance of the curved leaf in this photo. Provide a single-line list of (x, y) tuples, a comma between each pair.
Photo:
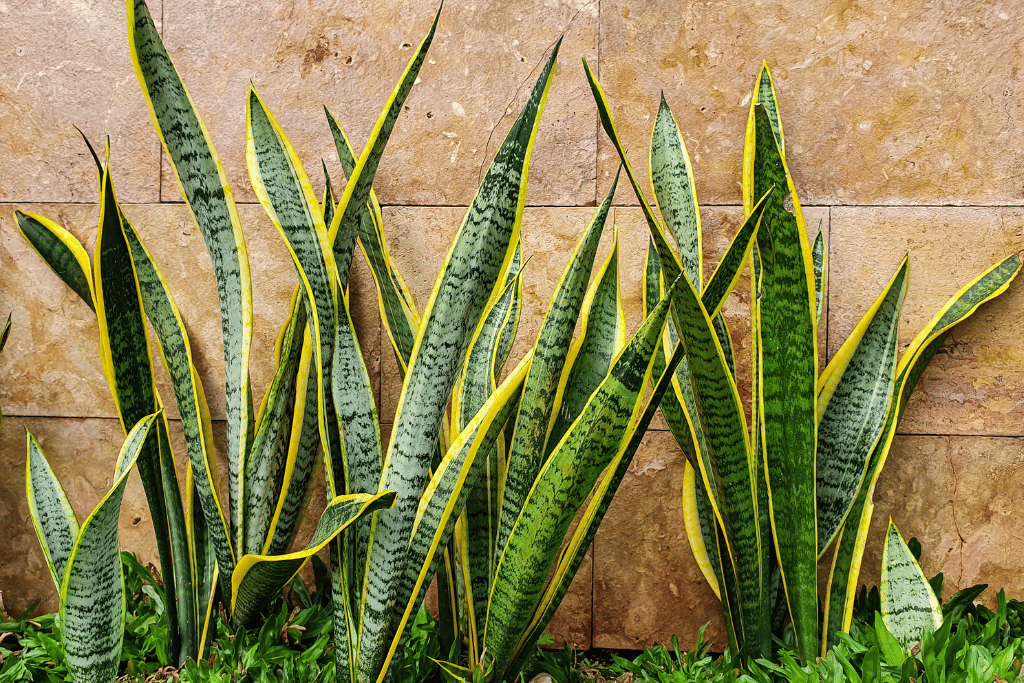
[(52, 517), (910, 609), (60, 250)]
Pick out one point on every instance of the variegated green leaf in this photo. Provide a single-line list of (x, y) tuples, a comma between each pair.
[(259, 578), (910, 609), (853, 400), (205, 188), (560, 489), (475, 264), (789, 372), (820, 263), (60, 250), (537, 416), (92, 601), (52, 517), (764, 94)]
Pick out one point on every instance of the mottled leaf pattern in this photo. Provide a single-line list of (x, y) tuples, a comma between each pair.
[(910, 609)]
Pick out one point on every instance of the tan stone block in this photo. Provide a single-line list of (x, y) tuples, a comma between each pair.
[(479, 72), (52, 358), (67, 65), (957, 496), (881, 103), (573, 622), (647, 585), (974, 384)]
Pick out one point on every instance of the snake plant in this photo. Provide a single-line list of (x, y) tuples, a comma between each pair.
[(763, 502), (480, 478)]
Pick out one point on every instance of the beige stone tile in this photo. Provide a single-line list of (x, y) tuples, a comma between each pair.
[(957, 496), (301, 56), (881, 103), (647, 585), (67, 65), (51, 361), (973, 386), (573, 621)]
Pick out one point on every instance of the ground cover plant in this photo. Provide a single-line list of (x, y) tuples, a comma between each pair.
[(765, 502)]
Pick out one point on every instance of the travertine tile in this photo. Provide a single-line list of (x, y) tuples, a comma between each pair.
[(573, 621), (67, 65), (957, 495), (647, 585), (51, 361), (301, 56), (881, 103), (973, 386)]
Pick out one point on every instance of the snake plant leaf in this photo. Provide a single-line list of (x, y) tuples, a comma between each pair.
[(397, 308), (602, 337), (536, 415), (789, 372), (562, 486), (727, 272), (910, 609), (61, 251), (92, 601), (820, 263), (345, 226), (696, 527), (675, 191), (764, 95), (850, 545), (285, 192), (473, 268), (854, 394), (582, 537), (446, 495), (52, 517), (259, 578), (176, 351), (205, 187)]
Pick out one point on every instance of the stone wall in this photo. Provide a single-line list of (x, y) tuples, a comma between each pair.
[(903, 124)]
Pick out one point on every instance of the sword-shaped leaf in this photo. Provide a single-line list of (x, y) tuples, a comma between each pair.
[(472, 270), (60, 250), (92, 601), (205, 187), (910, 609), (820, 263), (764, 94), (259, 578), (52, 517)]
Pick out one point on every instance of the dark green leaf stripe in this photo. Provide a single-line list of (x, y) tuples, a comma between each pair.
[(910, 609), (61, 251), (764, 94), (259, 578), (345, 226), (92, 601), (285, 193), (393, 296), (52, 517), (583, 536), (159, 306), (675, 192), (205, 188), (511, 328), (858, 388), (536, 415), (602, 336), (788, 319), (477, 260)]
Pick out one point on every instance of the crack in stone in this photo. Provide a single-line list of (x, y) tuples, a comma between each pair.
[(952, 505)]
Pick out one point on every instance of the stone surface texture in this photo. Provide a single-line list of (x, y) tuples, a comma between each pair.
[(902, 126)]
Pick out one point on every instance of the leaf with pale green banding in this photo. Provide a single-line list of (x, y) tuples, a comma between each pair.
[(205, 187), (582, 537), (789, 373), (849, 551), (511, 328), (910, 609), (537, 411), (602, 337), (52, 516), (397, 308), (259, 578), (675, 191), (727, 272), (285, 192), (763, 94), (820, 262), (92, 601), (445, 497), (345, 227), (561, 488), (61, 251), (474, 267), (855, 391)]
